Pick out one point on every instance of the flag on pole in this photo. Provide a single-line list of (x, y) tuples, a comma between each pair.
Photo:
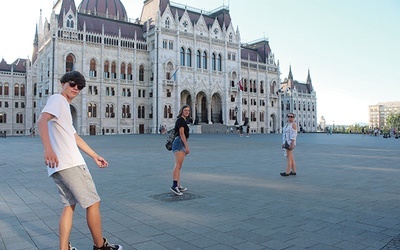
[(174, 75), (240, 85)]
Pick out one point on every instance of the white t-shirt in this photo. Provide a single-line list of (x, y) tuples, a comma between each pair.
[(62, 134)]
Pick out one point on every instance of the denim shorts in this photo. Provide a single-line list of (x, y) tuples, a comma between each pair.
[(75, 185), (177, 145)]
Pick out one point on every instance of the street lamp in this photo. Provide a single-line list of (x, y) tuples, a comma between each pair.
[(236, 111)]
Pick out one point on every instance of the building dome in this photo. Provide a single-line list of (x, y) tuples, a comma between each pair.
[(112, 9)]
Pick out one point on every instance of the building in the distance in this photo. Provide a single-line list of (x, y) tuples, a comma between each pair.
[(140, 72), (16, 107), (378, 113), (300, 99)]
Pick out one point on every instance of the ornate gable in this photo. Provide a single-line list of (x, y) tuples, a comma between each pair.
[(201, 27), (185, 24)]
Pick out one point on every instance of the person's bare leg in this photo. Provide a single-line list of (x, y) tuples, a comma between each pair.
[(93, 218), (289, 160), (65, 226), (293, 164), (176, 173)]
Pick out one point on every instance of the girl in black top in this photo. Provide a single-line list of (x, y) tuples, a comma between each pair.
[(180, 147)]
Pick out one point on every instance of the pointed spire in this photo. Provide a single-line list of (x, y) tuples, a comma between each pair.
[(35, 45), (290, 73), (309, 77), (309, 82)]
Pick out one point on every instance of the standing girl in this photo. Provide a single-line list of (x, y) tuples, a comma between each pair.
[(180, 147), (289, 142)]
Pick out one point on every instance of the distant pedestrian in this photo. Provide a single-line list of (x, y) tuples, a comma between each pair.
[(241, 131), (66, 165), (180, 147), (289, 143)]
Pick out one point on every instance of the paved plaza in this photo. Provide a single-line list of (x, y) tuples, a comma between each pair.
[(346, 194)]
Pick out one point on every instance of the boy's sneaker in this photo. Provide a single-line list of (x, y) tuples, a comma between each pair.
[(70, 247), (176, 191), (182, 189), (108, 246)]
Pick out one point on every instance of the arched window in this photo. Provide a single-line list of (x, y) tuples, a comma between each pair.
[(182, 53), (69, 63), (198, 59), (126, 111), (219, 62), (106, 69), (141, 112), (92, 110), (262, 87), (1, 89), (205, 60), (230, 37), (113, 70), (141, 73), (3, 118), (262, 116), (167, 23), (122, 71), (214, 62), (130, 77), (70, 22), (189, 58), (16, 90), (165, 111), (6, 89), (19, 118), (92, 71), (110, 111)]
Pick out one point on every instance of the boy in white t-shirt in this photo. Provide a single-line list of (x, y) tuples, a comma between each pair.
[(66, 165)]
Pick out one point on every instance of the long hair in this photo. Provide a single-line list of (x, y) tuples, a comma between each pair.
[(181, 110)]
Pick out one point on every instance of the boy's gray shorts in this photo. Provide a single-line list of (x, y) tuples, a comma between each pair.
[(75, 185)]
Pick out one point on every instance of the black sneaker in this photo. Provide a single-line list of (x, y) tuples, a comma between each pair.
[(284, 174), (108, 246), (70, 247), (176, 191), (292, 173)]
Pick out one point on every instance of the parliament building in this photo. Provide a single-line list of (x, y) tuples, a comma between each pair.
[(140, 71)]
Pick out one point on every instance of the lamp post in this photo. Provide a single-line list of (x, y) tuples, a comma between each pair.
[(52, 73), (236, 111)]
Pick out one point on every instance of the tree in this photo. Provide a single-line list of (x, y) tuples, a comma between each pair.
[(393, 121)]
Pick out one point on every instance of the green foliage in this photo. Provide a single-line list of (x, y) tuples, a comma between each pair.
[(393, 121)]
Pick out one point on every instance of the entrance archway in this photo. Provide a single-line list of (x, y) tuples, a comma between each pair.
[(201, 108), (216, 109), (272, 124)]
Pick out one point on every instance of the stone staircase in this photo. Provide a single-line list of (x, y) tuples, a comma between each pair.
[(216, 128)]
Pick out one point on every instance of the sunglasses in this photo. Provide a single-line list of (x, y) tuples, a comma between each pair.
[(290, 116), (72, 85)]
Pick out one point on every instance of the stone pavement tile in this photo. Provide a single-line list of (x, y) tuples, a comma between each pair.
[(220, 247), (345, 194), (248, 246), (203, 242), (175, 244), (45, 240)]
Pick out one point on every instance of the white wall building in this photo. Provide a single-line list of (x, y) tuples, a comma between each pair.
[(139, 73), (300, 99)]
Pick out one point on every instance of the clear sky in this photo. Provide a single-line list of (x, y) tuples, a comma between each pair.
[(352, 48)]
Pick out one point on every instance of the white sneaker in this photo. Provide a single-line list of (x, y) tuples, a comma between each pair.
[(176, 191), (182, 189)]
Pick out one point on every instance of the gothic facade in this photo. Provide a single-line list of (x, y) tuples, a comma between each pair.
[(140, 72), (300, 99)]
